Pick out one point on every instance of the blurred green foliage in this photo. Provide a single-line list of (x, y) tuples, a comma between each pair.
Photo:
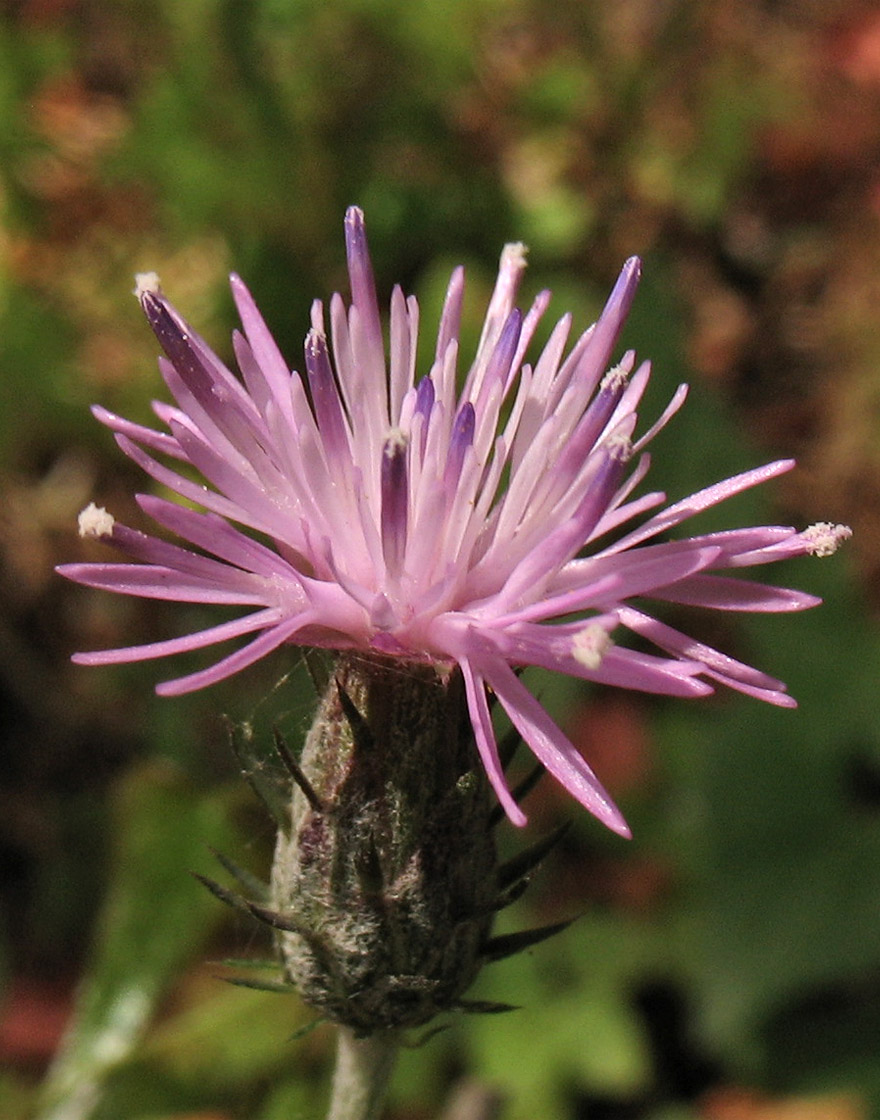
[(733, 945)]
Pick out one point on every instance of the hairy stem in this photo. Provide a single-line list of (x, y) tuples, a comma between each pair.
[(363, 1071)]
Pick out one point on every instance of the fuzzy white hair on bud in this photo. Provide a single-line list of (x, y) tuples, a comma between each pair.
[(95, 522), (589, 646), (824, 539)]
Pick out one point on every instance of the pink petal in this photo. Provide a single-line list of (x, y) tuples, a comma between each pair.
[(548, 743), (726, 594), (475, 690), (237, 661), (226, 630)]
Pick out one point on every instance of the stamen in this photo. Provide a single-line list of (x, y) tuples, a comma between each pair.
[(589, 646), (95, 522), (146, 282), (824, 539), (513, 257), (614, 379), (619, 447)]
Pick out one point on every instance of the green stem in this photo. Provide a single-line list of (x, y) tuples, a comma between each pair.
[(363, 1071)]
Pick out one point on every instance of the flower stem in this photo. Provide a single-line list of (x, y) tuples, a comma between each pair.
[(363, 1071)]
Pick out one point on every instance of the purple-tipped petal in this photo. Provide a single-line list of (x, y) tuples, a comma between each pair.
[(395, 500), (328, 408), (461, 440), (487, 519), (369, 345), (498, 367)]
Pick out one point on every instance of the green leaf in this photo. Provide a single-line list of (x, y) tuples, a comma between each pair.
[(300, 1097), (575, 1026), (16, 1101), (782, 844), (234, 1038), (155, 920)]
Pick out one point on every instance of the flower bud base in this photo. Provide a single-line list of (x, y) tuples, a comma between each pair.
[(387, 881)]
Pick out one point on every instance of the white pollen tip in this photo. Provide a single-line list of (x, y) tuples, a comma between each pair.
[(146, 282), (824, 539), (589, 646), (614, 379), (395, 442), (513, 255), (619, 447), (315, 340), (94, 521)]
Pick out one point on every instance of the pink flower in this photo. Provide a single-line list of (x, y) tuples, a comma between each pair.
[(492, 526)]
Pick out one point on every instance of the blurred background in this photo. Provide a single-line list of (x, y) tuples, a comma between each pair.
[(726, 962)]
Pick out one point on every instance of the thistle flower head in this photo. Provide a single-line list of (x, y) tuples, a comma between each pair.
[(482, 515)]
